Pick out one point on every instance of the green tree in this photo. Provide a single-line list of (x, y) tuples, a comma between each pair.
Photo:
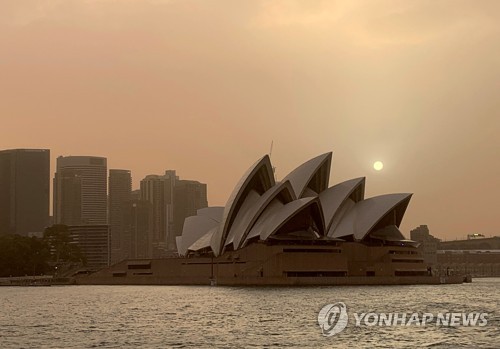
[(62, 247), (21, 255)]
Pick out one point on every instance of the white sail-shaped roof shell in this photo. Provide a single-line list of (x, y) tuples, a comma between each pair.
[(243, 217), (214, 212), (346, 206), (194, 228), (178, 243), (205, 241), (285, 214), (301, 177), (260, 208), (246, 220), (359, 221), (261, 177), (332, 198), (260, 225), (278, 216)]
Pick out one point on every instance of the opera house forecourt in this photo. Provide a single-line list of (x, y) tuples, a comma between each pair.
[(298, 231)]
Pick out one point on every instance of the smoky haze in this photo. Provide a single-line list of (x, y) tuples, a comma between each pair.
[(204, 87)]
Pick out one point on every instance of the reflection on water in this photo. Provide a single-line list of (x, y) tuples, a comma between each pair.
[(186, 316)]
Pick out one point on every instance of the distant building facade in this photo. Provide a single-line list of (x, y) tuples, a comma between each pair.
[(428, 243), (477, 263), (141, 223), (475, 236), (24, 191), (478, 256), (171, 201), (136, 194), (120, 195), (140, 226), (68, 197), (94, 242), (80, 190), (190, 196), (491, 243), (159, 192)]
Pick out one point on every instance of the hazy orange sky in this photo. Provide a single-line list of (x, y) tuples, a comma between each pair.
[(204, 86)]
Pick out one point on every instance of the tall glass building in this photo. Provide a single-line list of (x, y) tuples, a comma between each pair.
[(80, 190), (120, 196), (24, 190)]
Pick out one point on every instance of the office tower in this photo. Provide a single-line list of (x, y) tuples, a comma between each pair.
[(24, 190), (188, 198), (135, 194), (120, 194), (140, 226), (68, 189), (153, 192), (171, 180), (80, 190), (94, 242), (172, 200), (141, 222), (159, 191)]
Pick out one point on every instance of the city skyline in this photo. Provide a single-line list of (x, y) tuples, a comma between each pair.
[(412, 84), (173, 173), (87, 198)]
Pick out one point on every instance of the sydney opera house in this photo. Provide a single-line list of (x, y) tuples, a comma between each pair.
[(297, 231)]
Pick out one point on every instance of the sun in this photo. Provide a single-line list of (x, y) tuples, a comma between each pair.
[(378, 165)]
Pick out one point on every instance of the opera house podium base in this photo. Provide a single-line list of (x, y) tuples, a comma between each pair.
[(264, 264)]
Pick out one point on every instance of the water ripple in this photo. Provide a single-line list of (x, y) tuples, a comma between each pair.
[(236, 317)]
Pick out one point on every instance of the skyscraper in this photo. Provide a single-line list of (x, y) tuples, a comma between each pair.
[(171, 180), (68, 190), (88, 205), (120, 195), (189, 197), (140, 229), (171, 201), (159, 192), (24, 190)]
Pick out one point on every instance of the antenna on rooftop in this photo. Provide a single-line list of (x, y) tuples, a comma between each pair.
[(270, 155)]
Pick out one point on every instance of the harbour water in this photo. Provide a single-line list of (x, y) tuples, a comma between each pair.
[(239, 317)]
